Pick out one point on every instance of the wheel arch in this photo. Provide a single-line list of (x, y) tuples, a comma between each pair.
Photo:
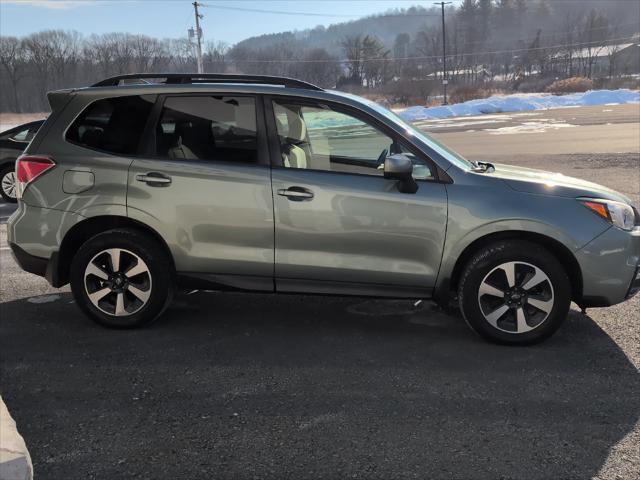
[(563, 254), (84, 230)]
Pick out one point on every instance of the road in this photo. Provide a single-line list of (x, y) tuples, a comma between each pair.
[(599, 143), (228, 385), (566, 131)]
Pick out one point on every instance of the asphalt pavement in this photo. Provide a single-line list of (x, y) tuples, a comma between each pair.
[(230, 385)]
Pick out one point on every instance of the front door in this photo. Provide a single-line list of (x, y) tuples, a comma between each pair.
[(340, 226), (205, 187)]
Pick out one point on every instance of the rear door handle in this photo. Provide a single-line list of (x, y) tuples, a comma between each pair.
[(297, 194), (154, 178)]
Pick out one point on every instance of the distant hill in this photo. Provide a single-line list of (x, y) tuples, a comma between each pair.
[(511, 22), (385, 26)]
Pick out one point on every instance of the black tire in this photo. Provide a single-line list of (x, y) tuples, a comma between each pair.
[(159, 277), (6, 170), (486, 263)]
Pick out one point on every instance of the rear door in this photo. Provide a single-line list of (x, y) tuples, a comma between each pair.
[(205, 186), (340, 226)]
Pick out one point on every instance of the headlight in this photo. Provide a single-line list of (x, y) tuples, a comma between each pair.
[(619, 214)]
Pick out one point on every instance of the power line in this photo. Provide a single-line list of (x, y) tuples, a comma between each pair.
[(280, 12), (186, 23), (548, 47), (385, 15), (315, 14), (339, 15), (429, 57), (556, 34)]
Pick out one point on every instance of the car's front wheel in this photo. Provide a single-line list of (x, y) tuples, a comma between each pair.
[(514, 292), (122, 278), (8, 183)]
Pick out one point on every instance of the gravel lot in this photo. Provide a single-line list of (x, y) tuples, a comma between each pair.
[(256, 386)]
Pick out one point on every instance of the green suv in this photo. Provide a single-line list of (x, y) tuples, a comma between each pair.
[(142, 184)]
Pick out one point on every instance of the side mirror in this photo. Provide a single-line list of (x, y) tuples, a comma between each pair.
[(400, 167)]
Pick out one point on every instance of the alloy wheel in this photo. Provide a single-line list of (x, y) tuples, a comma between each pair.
[(516, 297), (8, 184), (117, 282)]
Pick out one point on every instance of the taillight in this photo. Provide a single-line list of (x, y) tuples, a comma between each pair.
[(30, 167)]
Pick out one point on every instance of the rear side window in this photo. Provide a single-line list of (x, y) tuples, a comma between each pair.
[(113, 125), (214, 127)]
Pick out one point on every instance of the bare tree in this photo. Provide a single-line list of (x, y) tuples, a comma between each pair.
[(214, 56), (319, 67), (180, 55), (367, 59), (352, 47), (612, 51), (375, 61), (147, 53), (428, 44), (593, 36), (98, 53), (512, 39), (39, 52), (11, 54), (400, 53)]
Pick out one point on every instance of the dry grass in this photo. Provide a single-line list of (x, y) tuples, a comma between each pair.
[(570, 85), (9, 120), (431, 102), (465, 93)]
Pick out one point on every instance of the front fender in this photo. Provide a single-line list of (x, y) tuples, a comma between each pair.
[(479, 211), (453, 251)]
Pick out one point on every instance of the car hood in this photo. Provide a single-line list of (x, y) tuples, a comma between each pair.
[(540, 182)]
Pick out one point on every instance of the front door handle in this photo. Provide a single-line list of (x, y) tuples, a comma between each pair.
[(154, 179), (297, 194)]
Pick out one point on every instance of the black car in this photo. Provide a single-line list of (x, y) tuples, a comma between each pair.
[(12, 143)]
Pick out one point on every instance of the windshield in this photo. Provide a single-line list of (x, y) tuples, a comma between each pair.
[(443, 150)]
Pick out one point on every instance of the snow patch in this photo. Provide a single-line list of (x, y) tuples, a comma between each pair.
[(521, 102), (43, 299), (448, 124), (529, 127)]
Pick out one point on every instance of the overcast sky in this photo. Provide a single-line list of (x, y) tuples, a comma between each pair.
[(172, 18)]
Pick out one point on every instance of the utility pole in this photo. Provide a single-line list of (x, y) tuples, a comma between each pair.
[(445, 81), (198, 37)]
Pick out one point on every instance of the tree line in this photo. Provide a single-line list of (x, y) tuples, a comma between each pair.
[(55, 59), (513, 40)]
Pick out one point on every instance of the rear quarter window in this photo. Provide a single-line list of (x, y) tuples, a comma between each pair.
[(113, 125)]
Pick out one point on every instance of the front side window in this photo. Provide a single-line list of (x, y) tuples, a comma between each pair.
[(113, 125), (215, 127), (320, 138), (440, 148)]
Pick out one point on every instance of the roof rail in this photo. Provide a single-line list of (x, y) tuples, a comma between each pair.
[(187, 78)]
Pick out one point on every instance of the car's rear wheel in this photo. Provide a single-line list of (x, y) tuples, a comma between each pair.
[(8, 183), (514, 292), (122, 278)]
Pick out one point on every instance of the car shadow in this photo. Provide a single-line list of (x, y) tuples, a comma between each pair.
[(232, 385)]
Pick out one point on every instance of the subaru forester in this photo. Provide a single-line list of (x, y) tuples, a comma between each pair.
[(145, 183)]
